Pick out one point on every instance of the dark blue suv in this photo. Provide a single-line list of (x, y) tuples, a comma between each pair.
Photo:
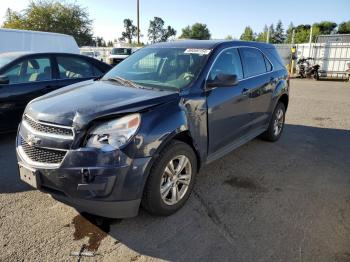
[(140, 134)]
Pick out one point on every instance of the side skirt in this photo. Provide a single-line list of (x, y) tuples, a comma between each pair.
[(235, 144)]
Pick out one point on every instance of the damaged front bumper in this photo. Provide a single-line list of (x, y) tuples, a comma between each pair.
[(104, 183)]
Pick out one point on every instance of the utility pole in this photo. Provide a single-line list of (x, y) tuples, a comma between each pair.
[(293, 49), (138, 22), (310, 41), (268, 35)]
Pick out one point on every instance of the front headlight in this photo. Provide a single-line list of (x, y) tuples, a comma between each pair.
[(114, 134)]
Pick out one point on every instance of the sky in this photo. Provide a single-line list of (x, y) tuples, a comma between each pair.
[(223, 17)]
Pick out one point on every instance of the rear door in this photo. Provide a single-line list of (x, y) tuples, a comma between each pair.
[(259, 80), (29, 77)]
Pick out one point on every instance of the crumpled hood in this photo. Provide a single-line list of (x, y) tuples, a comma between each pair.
[(76, 105)]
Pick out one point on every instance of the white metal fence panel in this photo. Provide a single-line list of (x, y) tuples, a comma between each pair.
[(333, 58)]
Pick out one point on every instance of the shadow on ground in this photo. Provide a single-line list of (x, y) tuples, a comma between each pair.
[(281, 201)]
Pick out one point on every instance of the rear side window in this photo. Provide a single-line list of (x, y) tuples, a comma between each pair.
[(228, 62), (75, 67), (275, 58), (253, 62)]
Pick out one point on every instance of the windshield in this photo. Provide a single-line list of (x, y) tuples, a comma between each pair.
[(164, 68), (121, 51), (5, 59)]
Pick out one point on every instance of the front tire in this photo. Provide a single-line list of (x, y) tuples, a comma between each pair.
[(171, 179), (276, 125)]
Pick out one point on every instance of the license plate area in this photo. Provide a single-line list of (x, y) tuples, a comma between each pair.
[(29, 176)]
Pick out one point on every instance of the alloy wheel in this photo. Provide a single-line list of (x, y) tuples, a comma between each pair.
[(279, 121), (175, 180)]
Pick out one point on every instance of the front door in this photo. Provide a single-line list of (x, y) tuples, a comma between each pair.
[(228, 107)]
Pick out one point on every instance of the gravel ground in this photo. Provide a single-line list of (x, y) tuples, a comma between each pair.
[(284, 201)]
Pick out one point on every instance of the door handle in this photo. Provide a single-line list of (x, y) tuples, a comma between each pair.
[(245, 91)]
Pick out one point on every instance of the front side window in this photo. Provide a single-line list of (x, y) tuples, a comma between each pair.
[(164, 68), (229, 63), (75, 67), (30, 70), (253, 62)]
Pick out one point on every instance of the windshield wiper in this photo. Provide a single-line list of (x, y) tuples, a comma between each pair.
[(127, 82)]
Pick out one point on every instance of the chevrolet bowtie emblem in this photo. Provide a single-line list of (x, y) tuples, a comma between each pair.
[(33, 140)]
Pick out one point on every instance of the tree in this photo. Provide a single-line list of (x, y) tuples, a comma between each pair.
[(130, 31), (229, 37), (169, 32), (248, 34), (262, 36), (271, 33), (326, 27), (289, 34), (156, 31), (302, 34), (99, 41), (344, 28), (53, 16), (197, 31), (279, 36), (110, 43)]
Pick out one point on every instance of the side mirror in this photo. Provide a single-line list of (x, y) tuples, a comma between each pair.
[(223, 80), (4, 80)]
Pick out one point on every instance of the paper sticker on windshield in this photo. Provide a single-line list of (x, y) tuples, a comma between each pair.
[(198, 51)]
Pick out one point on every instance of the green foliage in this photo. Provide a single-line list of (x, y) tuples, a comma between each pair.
[(53, 16), (289, 33), (197, 31), (229, 37), (100, 42), (278, 37), (344, 28), (262, 36), (110, 43), (130, 31), (248, 34), (326, 27), (157, 32)]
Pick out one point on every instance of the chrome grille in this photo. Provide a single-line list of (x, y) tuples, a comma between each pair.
[(42, 155), (48, 128)]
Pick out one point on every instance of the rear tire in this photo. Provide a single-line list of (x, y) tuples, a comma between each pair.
[(171, 179), (276, 125)]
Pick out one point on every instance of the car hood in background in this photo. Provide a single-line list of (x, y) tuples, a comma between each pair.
[(78, 104)]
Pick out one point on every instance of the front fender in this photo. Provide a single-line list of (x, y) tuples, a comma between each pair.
[(161, 124), (158, 126)]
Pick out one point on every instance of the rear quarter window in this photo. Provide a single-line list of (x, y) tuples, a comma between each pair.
[(274, 57)]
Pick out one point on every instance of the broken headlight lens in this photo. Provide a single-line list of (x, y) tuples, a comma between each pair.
[(114, 134)]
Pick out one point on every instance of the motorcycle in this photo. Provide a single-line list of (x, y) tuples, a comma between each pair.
[(306, 70)]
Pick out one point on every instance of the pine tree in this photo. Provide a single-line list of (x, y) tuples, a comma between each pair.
[(279, 35)]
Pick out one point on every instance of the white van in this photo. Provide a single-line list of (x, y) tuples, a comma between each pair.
[(12, 40)]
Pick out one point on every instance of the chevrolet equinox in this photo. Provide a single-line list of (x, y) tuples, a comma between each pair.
[(139, 134)]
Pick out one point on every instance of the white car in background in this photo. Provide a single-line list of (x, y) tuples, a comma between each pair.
[(118, 54), (93, 54)]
